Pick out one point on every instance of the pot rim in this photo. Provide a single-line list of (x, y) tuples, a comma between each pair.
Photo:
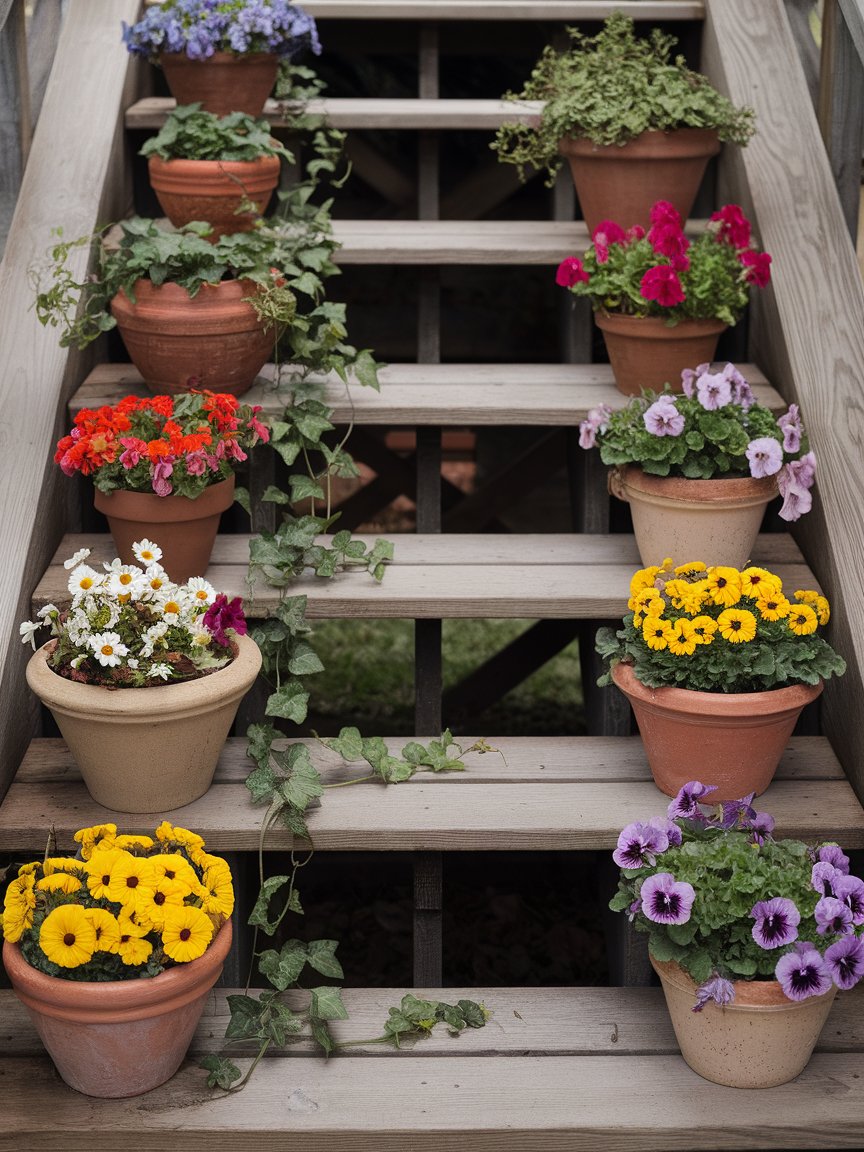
[(204, 167), (718, 489), (771, 700), (215, 498), (749, 994), (676, 143), (219, 58), (145, 288), (657, 327)]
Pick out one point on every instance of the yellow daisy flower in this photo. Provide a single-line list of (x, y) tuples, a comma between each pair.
[(153, 906), (676, 590), (644, 598), (99, 871), (774, 607), (131, 946), (704, 628), (682, 641), (644, 578), (759, 582), (106, 928), (656, 633), (67, 937), (62, 864), (693, 600), (168, 833), (17, 918), (133, 842), (219, 887), (173, 866), (820, 607), (738, 626), (802, 619), (132, 880), (805, 596), (187, 934), (88, 838), (724, 586), (58, 882), (690, 569), (28, 869)]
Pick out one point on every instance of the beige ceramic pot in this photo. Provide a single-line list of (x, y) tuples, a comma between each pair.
[(184, 529), (211, 340), (214, 190), (731, 740), (622, 183), (646, 353), (147, 749), (223, 82), (759, 1040), (715, 521), (119, 1037)]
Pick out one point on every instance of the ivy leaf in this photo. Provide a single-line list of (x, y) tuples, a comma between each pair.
[(241, 495), (283, 968), (261, 783), (475, 1014), (288, 703), (321, 1035), (321, 956), (245, 1022), (222, 1071), (366, 370), (303, 783), (304, 661), (305, 488), (349, 744), (327, 1004), (259, 916)]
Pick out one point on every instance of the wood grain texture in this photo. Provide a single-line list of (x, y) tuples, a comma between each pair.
[(503, 9), (79, 122), (808, 329), (444, 395)]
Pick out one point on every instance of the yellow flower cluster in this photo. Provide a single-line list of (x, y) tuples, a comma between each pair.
[(137, 897), (744, 598)]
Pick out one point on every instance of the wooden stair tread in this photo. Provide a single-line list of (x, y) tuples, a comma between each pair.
[(456, 576), (443, 395), (503, 9), (567, 794)]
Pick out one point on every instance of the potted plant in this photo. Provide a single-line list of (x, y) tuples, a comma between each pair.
[(750, 936), (699, 468), (661, 300), (219, 169), (114, 950), (164, 466), (192, 314), (635, 125), (144, 678), (223, 53), (717, 664)]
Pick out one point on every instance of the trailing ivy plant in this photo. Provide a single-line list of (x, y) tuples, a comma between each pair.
[(191, 133)]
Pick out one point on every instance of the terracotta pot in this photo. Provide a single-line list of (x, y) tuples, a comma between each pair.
[(646, 353), (759, 1040), (118, 1038), (623, 183), (214, 190), (147, 749), (733, 740), (176, 341), (716, 521), (184, 529), (223, 82)]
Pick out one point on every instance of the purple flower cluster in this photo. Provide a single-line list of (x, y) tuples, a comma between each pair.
[(224, 615), (201, 27), (717, 389)]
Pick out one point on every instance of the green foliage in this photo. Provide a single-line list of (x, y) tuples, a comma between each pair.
[(415, 1018), (610, 88), (190, 133)]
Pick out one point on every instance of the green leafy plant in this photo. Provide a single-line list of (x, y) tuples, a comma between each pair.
[(610, 88), (190, 133)]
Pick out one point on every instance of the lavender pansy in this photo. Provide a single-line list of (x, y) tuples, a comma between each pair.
[(776, 922), (713, 390), (686, 804), (850, 891), (823, 876), (835, 855), (845, 961), (738, 813), (663, 418), (669, 827), (833, 917), (765, 455), (802, 972), (638, 845), (761, 825), (717, 989), (666, 901)]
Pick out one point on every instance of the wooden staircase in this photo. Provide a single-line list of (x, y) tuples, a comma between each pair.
[(562, 1068)]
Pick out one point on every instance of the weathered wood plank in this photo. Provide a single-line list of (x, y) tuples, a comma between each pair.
[(520, 1104), (503, 9), (446, 395), (809, 327)]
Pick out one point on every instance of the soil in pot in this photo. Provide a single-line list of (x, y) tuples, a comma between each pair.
[(214, 190), (645, 352), (222, 83)]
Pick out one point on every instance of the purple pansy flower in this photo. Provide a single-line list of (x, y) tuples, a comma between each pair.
[(834, 854), (833, 917), (685, 806), (663, 418), (776, 924), (822, 878), (738, 813), (792, 429), (761, 825), (802, 972), (850, 890), (713, 390), (669, 827), (717, 989), (638, 845), (765, 455), (845, 961), (665, 900), (160, 473), (689, 376), (742, 393)]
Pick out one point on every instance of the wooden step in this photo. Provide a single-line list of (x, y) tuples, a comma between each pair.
[(541, 794), (441, 395), (503, 9), (448, 577), (555, 1069)]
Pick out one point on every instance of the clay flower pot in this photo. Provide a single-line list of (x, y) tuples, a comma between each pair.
[(223, 82), (715, 520), (645, 352), (732, 740), (759, 1040), (184, 529), (176, 341), (147, 749), (623, 182), (214, 190), (118, 1038)]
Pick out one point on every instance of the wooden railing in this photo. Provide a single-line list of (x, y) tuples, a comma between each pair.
[(75, 179), (841, 100), (807, 330)]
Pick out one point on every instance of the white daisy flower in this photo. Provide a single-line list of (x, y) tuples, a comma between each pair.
[(146, 552), (117, 565), (80, 555), (162, 671), (152, 637), (132, 663), (27, 631), (126, 582), (202, 639), (77, 661), (49, 611), (78, 627), (200, 591), (84, 581), (108, 648), (156, 579), (172, 605)]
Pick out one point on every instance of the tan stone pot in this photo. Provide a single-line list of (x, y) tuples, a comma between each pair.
[(184, 529), (211, 340), (646, 353), (118, 1038), (214, 190), (759, 1040), (715, 521), (147, 749), (732, 740), (223, 82), (622, 183)]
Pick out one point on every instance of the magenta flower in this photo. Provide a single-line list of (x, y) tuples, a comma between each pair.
[(608, 232), (661, 284), (636, 232), (665, 901), (713, 390), (223, 616), (160, 471), (765, 455), (685, 806), (776, 924), (663, 418), (260, 430), (758, 267), (668, 240), (802, 972), (133, 448), (570, 272), (835, 855), (845, 961), (822, 878), (734, 227), (639, 845), (850, 891), (717, 989), (833, 917), (665, 213)]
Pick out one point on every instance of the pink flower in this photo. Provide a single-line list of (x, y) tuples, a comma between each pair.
[(636, 232), (662, 285), (570, 272), (665, 213), (132, 455), (765, 455), (689, 376), (663, 418), (792, 429), (222, 616), (601, 252), (607, 232), (758, 265), (159, 473), (260, 430), (734, 227), (714, 391), (742, 393), (795, 481), (595, 421), (196, 463), (668, 240)]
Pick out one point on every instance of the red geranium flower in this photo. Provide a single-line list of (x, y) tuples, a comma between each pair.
[(570, 272), (758, 265), (661, 284), (734, 226)]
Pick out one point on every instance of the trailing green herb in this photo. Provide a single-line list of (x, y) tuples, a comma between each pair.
[(190, 133)]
